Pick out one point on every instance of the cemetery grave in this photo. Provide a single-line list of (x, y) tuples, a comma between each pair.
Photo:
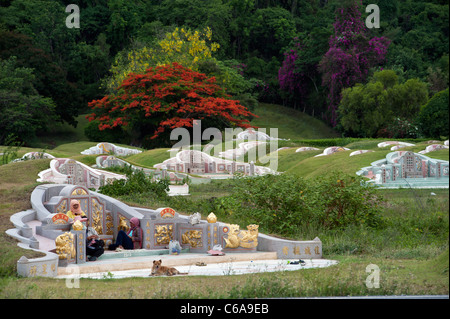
[(46, 227), (136, 263)]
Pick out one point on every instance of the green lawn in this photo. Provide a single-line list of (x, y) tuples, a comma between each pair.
[(150, 157), (291, 124)]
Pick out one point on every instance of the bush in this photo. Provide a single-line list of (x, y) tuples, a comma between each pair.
[(283, 204), (137, 182), (433, 117), (346, 201)]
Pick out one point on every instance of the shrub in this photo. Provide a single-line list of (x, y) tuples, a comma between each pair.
[(285, 203), (137, 182), (347, 200), (276, 203), (433, 117)]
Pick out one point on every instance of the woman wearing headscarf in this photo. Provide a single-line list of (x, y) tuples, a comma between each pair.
[(132, 239), (77, 215), (75, 210)]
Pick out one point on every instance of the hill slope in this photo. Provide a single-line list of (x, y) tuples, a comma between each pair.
[(291, 124)]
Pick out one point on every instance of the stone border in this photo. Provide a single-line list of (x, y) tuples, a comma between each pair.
[(46, 266)]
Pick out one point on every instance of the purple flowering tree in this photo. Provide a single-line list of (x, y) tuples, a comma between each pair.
[(350, 57), (290, 79)]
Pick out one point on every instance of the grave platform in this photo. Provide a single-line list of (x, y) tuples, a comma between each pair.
[(47, 228), (111, 262)]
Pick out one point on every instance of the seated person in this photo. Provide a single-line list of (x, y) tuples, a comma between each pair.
[(132, 239), (75, 211), (94, 245)]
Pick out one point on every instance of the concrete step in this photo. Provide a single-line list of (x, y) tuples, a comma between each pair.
[(136, 253)]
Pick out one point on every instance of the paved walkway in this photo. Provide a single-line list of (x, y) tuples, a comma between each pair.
[(229, 267), (145, 262), (45, 243)]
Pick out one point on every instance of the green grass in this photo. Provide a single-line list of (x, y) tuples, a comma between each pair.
[(291, 124), (17, 181), (397, 277), (306, 165), (149, 158)]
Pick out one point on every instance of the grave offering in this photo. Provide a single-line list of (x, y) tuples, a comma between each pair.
[(106, 161), (433, 148), (305, 149), (195, 218), (69, 171), (332, 150), (109, 148), (200, 163), (407, 169), (393, 143), (46, 227), (360, 152)]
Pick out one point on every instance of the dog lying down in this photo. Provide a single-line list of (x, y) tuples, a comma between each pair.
[(158, 270)]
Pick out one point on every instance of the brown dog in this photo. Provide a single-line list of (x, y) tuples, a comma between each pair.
[(158, 270)]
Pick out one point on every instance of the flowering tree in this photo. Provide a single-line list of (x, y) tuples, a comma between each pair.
[(183, 46), (291, 79), (167, 97), (350, 56)]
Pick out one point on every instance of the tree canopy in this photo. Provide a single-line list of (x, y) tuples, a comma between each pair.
[(299, 53), (167, 97)]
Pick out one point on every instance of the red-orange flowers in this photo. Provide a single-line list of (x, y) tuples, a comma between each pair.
[(167, 97)]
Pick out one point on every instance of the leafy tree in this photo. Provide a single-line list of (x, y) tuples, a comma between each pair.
[(350, 56), (433, 117), (365, 110), (125, 20), (298, 75), (167, 97), (50, 79), (438, 75), (199, 14), (183, 46), (271, 31), (23, 112)]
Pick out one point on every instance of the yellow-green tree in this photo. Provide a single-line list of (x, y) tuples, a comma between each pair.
[(183, 46)]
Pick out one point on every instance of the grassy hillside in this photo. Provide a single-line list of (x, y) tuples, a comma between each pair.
[(306, 165), (291, 124), (150, 157), (62, 133)]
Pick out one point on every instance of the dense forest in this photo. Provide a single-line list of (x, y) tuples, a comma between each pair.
[(317, 56)]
